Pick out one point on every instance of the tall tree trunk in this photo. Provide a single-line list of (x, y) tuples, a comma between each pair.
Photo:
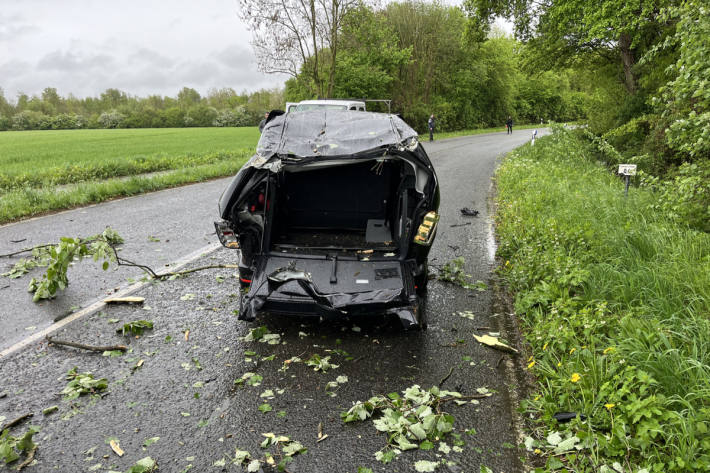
[(333, 45), (627, 59), (316, 79)]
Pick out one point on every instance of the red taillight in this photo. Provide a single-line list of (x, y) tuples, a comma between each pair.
[(253, 208), (260, 199), (245, 281)]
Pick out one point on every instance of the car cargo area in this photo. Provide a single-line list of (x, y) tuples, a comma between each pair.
[(351, 205)]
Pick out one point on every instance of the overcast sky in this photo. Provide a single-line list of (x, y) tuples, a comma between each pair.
[(141, 47)]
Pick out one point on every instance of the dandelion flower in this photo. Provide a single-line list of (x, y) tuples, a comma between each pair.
[(575, 377), (537, 451), (531, 364), (572, 350), (544, 347), (609, 406), (559, 364), (608, 350)]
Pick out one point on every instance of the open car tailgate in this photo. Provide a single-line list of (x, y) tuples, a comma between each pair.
[(328, 286)]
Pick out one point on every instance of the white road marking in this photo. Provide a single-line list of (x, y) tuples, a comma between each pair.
[(98, 305)]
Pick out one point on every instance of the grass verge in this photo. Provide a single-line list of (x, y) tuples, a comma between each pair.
[(22, 203), (614, 300)]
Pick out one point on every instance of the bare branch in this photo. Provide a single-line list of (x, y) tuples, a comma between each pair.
[(15, 422), (86, 347)]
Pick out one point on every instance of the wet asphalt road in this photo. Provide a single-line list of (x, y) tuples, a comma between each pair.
[(184, 390), (181, 219)]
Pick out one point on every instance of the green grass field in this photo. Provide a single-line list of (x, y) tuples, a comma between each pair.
[(42, 171), (42, 157)]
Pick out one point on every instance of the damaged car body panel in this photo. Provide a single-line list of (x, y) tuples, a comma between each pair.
[(334, 215)]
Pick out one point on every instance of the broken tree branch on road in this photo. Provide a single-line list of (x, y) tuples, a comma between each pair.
[(121, 261), (15, 422), (81, 346)]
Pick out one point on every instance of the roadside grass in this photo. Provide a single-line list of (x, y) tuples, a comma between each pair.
[(614, 300), (478, 131), (21, 203), (50, 170)]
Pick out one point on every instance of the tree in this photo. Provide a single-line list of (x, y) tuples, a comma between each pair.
[(52, 99), (685, 100), (5, 108), (113, 98), (112, 119), (287, 33), (564, 30), (188, 97)]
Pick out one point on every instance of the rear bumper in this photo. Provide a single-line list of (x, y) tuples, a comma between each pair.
[(290, 290), (409, 314), (307, 306)]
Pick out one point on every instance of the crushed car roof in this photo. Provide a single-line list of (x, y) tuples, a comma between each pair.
[(331, 133)]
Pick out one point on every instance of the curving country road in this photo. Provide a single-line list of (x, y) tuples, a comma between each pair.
[(184, 392)]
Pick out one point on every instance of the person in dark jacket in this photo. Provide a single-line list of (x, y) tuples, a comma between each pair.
[(432, 124), (262, 123), (509, 125)]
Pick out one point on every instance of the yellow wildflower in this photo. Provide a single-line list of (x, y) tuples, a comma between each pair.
[(531, 364), (572, 350), (559, 363), (544, 347), (537, 451), (575, 377), (609, 406), (537, 398), (530, 359), (608, 350)]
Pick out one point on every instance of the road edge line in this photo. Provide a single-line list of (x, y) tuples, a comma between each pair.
[(100, 304)]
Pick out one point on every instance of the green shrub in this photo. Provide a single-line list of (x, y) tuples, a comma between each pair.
[(685, 197)]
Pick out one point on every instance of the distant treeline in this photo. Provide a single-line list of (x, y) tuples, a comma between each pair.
[(116, 109)]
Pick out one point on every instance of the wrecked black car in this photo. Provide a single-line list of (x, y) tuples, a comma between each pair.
[(334, 215)]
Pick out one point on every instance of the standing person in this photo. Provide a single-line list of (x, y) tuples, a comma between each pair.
[(262, 123), (432, 124), (509, 124)]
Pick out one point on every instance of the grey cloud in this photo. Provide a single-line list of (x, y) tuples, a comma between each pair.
[(14, 68), (68, 61), (151, 57), (235, 56), (198, 72), (13, 26)]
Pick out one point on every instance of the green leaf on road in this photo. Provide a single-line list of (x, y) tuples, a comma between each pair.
[(425, 466)]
